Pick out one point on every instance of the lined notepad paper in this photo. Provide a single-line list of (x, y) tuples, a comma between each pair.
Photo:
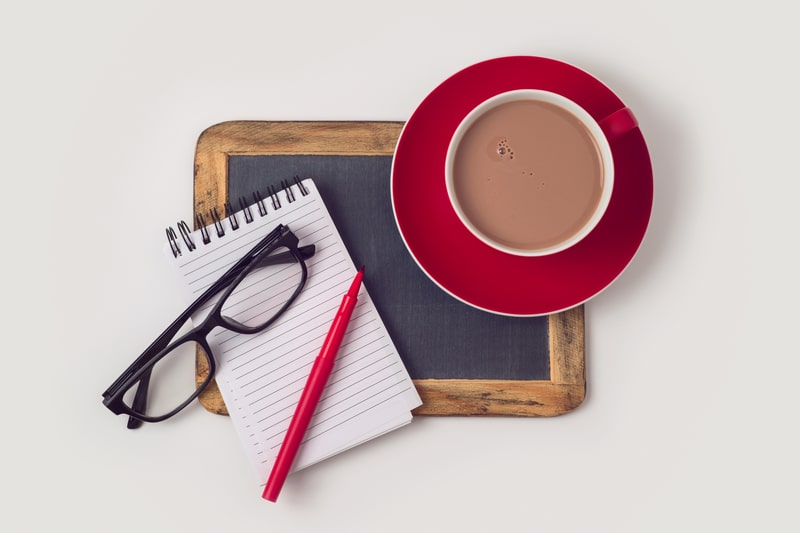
[(261, 376)]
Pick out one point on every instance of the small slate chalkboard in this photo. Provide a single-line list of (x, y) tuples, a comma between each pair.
[(464, 361)]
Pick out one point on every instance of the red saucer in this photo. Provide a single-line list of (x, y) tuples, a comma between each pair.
[(460, 263)]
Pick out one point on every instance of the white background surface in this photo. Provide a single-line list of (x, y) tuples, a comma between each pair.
[(690, 421)]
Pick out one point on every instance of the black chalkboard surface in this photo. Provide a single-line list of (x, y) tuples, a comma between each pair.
[(463, 360), (436, 335)]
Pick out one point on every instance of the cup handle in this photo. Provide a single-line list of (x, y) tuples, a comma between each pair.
[(619, 122)]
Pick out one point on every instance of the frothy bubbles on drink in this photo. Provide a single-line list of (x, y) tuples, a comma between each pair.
[(504, 150), (500, 149)]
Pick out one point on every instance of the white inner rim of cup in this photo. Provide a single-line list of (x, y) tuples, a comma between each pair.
[(565, 103)]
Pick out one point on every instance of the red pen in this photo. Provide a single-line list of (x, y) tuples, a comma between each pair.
[(317, 379)]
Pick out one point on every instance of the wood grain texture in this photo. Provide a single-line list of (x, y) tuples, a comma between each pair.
[(567, 347), (563, 392)]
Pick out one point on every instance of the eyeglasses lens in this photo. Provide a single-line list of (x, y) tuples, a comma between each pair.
[(266, 290)]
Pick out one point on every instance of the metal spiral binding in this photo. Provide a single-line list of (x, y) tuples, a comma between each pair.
[(248, 215), (272, 200), (262, 209), (186, 233), (276, 201), (217, 222), (173, 241), (231, 214), (200, 222)]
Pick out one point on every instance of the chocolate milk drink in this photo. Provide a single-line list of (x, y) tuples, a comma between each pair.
[(528, 174)]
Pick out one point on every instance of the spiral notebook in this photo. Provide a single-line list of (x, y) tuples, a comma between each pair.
[(261, 376)]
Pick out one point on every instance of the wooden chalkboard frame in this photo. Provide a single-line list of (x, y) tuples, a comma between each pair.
[(563, 392)]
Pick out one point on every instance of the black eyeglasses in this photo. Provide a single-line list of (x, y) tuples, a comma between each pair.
[(256, 291)]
